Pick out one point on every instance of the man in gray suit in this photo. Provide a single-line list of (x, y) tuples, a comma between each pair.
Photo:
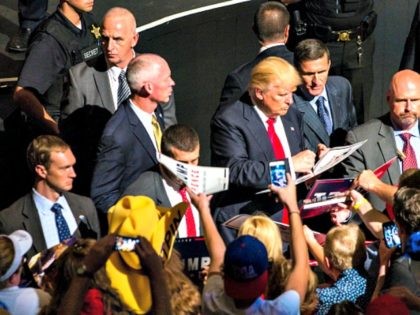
[(95, 93), (327, 122), (52, 161), (181, 143), (385, 136)]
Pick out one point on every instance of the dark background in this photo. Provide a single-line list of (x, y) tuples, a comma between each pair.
[(201, 49)]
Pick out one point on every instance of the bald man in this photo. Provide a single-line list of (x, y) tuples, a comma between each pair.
[(130, 139), (93, 94), (386, 134)]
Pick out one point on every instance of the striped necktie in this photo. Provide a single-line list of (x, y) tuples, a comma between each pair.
[(123, 88)]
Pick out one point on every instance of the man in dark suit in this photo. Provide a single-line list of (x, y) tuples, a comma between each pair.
[(246, 137), (329, 121), (181, 143), (52, 161), (131, 137), (385, 136), (93, 93), (271, 26)]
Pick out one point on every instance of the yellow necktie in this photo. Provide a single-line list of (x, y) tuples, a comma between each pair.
[(157, 132)]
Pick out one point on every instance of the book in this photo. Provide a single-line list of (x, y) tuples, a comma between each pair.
[(330, 159), (200, 179)]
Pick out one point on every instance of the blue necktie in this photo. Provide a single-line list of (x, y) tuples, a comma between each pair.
[(323, 114), (62, 227), (123, 88)]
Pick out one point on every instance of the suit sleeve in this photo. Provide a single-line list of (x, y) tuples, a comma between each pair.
[(108, 174), (232, 90), (230, 145)]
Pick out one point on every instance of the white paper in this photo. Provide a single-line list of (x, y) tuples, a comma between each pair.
[(200, 179)]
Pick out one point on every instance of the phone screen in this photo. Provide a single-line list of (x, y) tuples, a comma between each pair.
[(125, 244), (391, 237), (278, 173)]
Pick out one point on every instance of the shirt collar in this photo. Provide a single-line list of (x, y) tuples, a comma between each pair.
[(270, 46), (44, 203)]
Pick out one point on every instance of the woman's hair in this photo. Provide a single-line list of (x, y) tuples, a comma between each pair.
[(310, 302), (267, 232), (65, 269), (345, 247), (7, 253), (185, 297)]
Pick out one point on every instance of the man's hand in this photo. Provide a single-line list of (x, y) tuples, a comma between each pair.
[(366, 180), (304, 161), (322, 149)]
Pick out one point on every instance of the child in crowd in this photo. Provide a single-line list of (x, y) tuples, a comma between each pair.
[(342, 259)]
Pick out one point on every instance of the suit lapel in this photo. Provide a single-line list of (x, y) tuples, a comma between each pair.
[(76, 210), (258, 131), (32, 223), (389, 150), (292, 132), (140, 132), (104, 89), (311, 118)]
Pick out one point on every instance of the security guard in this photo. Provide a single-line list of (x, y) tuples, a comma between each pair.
[(346, 26), (66, 38)]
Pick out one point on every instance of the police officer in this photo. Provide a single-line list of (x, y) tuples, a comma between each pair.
[(66, 38), (346, 26)]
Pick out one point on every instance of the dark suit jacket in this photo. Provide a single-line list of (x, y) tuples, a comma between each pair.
[(125, 151), (149, 184), (237, 81), (83, 119), (377, 150), (23, 215), (340, 99), (239, 141)]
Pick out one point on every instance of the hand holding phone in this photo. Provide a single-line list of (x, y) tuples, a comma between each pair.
[(391, 237), (278, 173), (125, 244)]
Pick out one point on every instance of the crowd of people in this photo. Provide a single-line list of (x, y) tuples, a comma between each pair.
[(95, 101)]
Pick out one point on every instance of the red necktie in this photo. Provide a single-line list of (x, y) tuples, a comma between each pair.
[(410, 157), (274, 139), (189, 217)]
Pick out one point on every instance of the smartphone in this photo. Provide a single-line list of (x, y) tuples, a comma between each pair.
[(278, 173), (125, 244), (391, 237)]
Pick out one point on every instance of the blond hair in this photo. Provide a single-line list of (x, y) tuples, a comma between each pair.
[(267, 232), (271, 69), (345, 247)]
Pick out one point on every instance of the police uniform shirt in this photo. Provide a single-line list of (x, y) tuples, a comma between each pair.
[(46, 60)]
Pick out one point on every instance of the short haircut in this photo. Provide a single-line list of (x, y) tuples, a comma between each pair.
[(274, 68), (123, 14), (407, 209), (410, 178), (141, 69), (181, 137), (270, 21), (310, 49), (345, 247), (7, 254), (39, 150)]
